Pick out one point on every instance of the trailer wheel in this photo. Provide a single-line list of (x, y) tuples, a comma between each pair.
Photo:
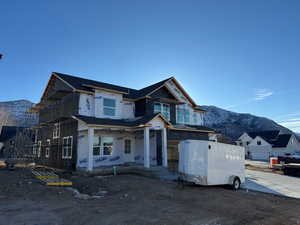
[(236, 184)]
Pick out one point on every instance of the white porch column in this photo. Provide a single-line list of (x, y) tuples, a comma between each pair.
[(164, 147), (146, 148), (90, 148)]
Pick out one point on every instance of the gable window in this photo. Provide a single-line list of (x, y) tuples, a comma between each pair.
[(56, 130), (103, 146), (183, 116), (67, 147), (258, 142), (47, 149), (247, 142), (109, 107), (39, 149), (162, 108), (127, 148)]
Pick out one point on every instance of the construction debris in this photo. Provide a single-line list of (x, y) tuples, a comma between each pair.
[(49, 177)]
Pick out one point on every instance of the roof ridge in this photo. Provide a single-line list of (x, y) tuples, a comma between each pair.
[(87, 79)]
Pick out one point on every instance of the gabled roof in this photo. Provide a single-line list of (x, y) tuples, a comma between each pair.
[(268, 135), (147, 90), (282, 141), (142, 121), (87, 84)]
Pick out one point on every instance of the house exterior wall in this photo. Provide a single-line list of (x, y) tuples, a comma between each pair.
[(244, 139), (65, 107), (265, 150), (67, 128), (92, 105), (118, 155), (86, 105), (187, 106)]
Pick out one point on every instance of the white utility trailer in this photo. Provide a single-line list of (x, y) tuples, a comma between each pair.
[(211, 163)]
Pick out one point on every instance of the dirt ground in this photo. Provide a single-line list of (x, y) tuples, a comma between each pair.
[(136, 200)]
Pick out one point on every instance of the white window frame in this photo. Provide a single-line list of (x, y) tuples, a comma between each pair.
[(168, 116), (56, 130), (67, 148), (39, 148), (47, 149), (130, 146), (110, 107), (185, 119), (101, 146), (34, 149)]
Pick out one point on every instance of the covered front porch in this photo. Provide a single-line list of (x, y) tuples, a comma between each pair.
[(104, 146)]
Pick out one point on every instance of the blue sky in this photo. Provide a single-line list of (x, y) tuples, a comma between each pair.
[(239, 55)]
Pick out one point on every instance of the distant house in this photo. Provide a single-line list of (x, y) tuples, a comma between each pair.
[(264, 144)]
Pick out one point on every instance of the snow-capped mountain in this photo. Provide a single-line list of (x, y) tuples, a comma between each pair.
[(233, 124), (14, 113)]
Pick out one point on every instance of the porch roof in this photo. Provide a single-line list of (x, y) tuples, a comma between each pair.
[(141, 121)]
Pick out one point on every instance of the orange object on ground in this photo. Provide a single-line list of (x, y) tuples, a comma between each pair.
[(273, 160)]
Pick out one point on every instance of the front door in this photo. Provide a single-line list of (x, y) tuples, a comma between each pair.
[(128, 150)]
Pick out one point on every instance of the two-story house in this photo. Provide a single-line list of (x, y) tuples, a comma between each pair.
[(262, 145), (88, 124)]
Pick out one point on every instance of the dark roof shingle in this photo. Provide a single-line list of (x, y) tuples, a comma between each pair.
[(268, 135), (281, 141), (79, 84), (116, 122)]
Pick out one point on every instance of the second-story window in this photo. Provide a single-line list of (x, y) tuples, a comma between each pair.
[(56, 130), (109, 107), (162, 108), (183, 116)]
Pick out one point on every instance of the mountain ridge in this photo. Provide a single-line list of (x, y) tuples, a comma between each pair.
[(231, 124)]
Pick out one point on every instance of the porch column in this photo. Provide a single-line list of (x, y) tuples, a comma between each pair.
[(164, 147), (90, 148), (146, 148)]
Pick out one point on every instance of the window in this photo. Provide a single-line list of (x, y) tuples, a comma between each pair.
[(180, 115), (56, 130), (34, 147), (241, 144), (102, 146), (109, 107), (67, 147), (247, 142), (195, 118), (39, 149), (258, 142), (183, 116), (47, 149), (97, 145), (127, 148), (162, 108)]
